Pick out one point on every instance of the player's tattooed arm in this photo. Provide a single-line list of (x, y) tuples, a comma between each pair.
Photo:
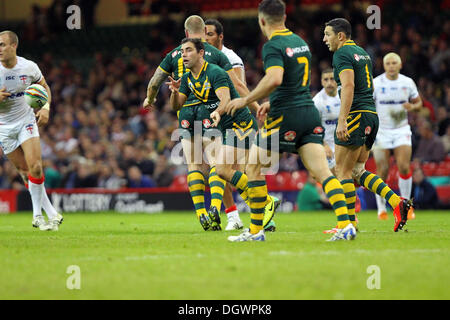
[(43, 114), (153, 87)]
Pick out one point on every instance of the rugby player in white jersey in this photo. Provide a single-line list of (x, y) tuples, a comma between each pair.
[(19, 133), (395, 95), (214, 36), (328, 103)]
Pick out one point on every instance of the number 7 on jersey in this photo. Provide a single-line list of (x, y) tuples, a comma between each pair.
[(304, 60)]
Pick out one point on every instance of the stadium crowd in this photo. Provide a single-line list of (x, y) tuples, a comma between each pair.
[(99, 135)]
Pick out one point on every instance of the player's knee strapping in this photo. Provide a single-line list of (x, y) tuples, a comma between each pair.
[(196, 185), (257, 193), (350, 198), (240, 181), (336, 196), (376, 185), (217, 187)]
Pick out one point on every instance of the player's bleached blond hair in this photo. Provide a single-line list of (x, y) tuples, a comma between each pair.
[(13, 38), (392, 55), (194, 24)]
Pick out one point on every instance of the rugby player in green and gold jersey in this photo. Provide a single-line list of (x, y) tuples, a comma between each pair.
[(293, 123), (192, 111), (215, 36), (212, 87), (358, 121)]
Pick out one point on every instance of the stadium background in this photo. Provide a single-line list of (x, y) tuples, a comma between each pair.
[(100, 137)]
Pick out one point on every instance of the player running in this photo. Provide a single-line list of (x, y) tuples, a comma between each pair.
[(19, 133), (214, 36), (358, 121), (212, 86), (287, 61), (395, 95)]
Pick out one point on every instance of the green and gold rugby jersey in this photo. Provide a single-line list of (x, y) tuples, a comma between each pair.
[(203, 87), (173, 65), (352, 57), (288, 51)]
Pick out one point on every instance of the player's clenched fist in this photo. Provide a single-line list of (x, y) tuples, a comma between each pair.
[(4, 94)]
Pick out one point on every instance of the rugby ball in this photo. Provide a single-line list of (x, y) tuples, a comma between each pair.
[(36, 96)]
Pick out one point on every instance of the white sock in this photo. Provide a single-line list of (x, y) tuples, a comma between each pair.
[(381, 204), (233, 214), (36, 197), (405, 186), (47, 206)]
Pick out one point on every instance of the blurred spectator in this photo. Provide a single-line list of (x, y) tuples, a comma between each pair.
[(430, 148), (52, 175), (446, 141), (164, 174), (288, 162), (85, 176), (111, 178), (443, 121), (312, 197), (137, 180), (424, 193)]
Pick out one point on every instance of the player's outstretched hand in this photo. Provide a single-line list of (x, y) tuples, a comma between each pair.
[(234, 105), (42, 117), (263, 111), (215, 117), (148, 105), (4, 94), (342, 131), (173, 85)]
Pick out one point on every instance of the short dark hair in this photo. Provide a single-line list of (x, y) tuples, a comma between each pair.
[(216, 24), (273, 9), (198, 43), (327, 70), (340, 25)]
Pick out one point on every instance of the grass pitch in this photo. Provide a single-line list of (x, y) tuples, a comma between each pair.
[(169, 256)]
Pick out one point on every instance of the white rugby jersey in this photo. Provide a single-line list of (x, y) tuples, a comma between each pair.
[(329, 108), (235, 60), (389, 96), (16, 80)]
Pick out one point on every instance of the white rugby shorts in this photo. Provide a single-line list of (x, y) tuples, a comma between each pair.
[(393, 138), (12, 135)]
